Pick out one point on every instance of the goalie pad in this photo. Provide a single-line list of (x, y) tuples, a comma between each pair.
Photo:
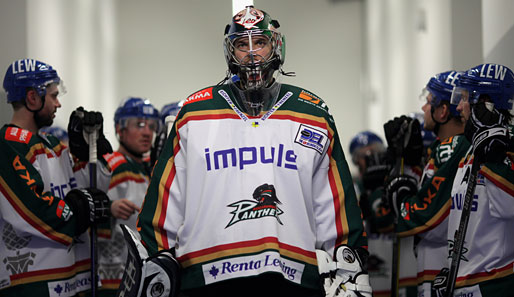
[(157, 275), (344, 277)]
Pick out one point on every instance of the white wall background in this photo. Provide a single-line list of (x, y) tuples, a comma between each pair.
[(369, 59)]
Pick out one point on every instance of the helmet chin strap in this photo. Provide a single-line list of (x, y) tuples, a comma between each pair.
[(437, 124), (40, 122)]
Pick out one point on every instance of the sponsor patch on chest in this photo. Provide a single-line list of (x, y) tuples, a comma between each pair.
[(252, 265), (311, 138)]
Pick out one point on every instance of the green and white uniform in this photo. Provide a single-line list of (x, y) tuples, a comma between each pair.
[(201, 196), (40, 253), (425, 215), (487, 263), (130, 181)]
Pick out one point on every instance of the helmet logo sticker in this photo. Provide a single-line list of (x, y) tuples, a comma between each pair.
[(248, 17), (499, 71), (27, 65), (265, 205)]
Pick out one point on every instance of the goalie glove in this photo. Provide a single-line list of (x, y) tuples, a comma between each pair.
[(157, 275), (344, 277)]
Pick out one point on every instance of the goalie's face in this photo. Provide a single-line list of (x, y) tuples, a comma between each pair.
[(252, 53)]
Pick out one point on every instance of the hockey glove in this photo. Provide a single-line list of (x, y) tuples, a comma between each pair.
[(403, 135), (440, 282), (88, 206), (488, 133), (345, 277), (80, 120), (398, 188), (375, 173)]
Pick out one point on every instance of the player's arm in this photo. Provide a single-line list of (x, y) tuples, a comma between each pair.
[(430, 205), (164, 202), (46, 215), (342, 243)]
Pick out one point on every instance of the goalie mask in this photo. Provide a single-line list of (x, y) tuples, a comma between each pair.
[(254, 50)]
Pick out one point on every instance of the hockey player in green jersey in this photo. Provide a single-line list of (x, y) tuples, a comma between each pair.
[(484, 95), (136, 122), (252, 192), (368, 154), (423, 212), (46, 205)]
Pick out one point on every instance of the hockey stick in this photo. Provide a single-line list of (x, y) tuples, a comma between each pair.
[(395, 272), (92, 134), (405, 129), (460, 233)]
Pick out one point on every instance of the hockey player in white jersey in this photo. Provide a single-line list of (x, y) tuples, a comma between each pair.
[(484, 95), (45, 204), (253, 181)]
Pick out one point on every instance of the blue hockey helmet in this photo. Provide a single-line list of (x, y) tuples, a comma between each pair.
[(56, 131), (428, 136), (134, 107), (493, 80), (363, 139), (171, 109), (441, 86), (29, 73)]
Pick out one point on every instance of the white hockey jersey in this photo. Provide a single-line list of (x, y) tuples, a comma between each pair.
[(486, 266), (239, 196)]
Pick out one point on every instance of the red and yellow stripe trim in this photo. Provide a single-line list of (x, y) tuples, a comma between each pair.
[(247, 247), (127, 176), (443, 212), (30, 217), (476, 278), (50, 274), (498, 180)]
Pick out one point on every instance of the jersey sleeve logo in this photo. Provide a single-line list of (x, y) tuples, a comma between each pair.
[(18, 135), (311, 138), (114, 160), (204, 94)]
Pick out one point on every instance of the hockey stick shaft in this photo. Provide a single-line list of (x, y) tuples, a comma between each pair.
[(92, 135), (460, 233), (395, 272)]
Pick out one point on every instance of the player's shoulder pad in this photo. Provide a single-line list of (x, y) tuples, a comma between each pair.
[(307, 97)]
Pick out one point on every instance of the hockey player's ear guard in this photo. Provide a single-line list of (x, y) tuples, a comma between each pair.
[(157, 275), (346, 276)]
